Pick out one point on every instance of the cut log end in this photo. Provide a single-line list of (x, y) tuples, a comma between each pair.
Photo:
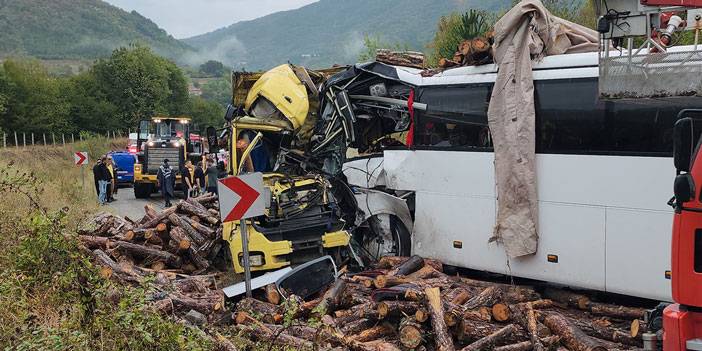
[(500, 312)]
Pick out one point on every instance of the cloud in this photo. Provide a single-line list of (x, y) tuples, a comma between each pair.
[(230, 51)]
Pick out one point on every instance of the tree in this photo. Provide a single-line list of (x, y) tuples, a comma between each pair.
[(206, 113), (219, 91), (213, 68), (141, 84), (33, 100)]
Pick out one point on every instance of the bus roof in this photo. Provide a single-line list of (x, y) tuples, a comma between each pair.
[(568, 65)]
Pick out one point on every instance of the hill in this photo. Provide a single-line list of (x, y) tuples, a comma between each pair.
[(77, 29), (329, 31)]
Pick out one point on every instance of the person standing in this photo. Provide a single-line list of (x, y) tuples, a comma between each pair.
[(186, 176), (212, 174), (166, 181), (97, 175), (111, 188), (103, 181), (199, 178)]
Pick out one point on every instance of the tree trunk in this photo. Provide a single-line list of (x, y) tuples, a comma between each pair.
[(411, 333), (565, 297), (191, 209), (487, 297), (571, 336), (388, 309), (145, 252), (268, 312), (615, 311), (331, 299), (548, 341), (411, 265), (435, 308), (272, 294), (193, 234), (161, 216), (488, 342), (401, 58), (374, 333)]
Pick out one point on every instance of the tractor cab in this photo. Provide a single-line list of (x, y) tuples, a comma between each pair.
[(161, 138)]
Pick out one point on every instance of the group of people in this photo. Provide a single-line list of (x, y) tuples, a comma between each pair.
[(105, 180), (195, 180)]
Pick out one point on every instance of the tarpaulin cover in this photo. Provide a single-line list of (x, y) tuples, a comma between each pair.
[(528, 31)]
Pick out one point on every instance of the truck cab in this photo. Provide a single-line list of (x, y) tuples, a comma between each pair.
[(682, 321), (266, 130), (162, 138)]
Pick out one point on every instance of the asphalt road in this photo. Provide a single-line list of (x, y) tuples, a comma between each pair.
[(128, 205)]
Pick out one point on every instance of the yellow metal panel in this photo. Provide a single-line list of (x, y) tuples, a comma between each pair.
[(336, 239), (272, 250), (285, 91)]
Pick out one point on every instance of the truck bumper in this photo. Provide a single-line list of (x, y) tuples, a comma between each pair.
[(269, 255), (681, 328)]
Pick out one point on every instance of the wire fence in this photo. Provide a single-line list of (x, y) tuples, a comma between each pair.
[(24, 139)]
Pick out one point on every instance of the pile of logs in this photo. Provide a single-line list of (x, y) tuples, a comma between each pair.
[(173, 249), (409, 304), (401, 58), (471, 52)]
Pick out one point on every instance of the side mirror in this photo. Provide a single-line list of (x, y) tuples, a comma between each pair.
[(212, 138), (683, 144), (684, 188), (229, 115)]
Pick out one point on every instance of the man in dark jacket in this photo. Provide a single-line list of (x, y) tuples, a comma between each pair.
[(199, 179), (97, 176), (166, 181), (105, 178)]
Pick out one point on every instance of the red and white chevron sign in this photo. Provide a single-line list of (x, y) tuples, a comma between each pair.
[(240, 197), (81, 158)]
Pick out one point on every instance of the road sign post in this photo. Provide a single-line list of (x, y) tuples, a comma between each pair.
[(81, 159), (239, 199)]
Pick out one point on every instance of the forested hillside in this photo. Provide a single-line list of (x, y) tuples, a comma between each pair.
[(330, 31), (58, 29)]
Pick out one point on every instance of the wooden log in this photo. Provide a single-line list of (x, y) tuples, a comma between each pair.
[(487, 297), (272, 294), (374, 333), (447, 63), (410, 333), (422, 315), (150, 253), (253, 307), (615, 311), (571, 336), (637, 328), (383, 281), (191, 209), (150, 212), (205, 305), (356, 326), (566, 297), (401, 58), (153, 222), (389, 262), (388, 309), (411, 265), (95, 242), (488, 342), (331, 299), (192, 234), (548, 341), (181, 239), (464, 48), (425, 273), (435, 308), (500, 312), (204, 230)]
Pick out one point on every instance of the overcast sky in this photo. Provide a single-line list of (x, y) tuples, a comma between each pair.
[(186, 18)]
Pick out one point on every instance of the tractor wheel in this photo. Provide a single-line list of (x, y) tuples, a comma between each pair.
[(142, 191)]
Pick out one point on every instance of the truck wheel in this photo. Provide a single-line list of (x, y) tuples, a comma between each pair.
[(378, 243), (142, 191)]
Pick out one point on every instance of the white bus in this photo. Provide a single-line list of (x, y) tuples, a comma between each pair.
[(604, 171)]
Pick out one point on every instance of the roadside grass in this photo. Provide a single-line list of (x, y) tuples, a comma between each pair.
[(52, 297)]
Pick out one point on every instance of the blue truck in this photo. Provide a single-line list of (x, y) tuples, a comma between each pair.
[(124, 163)]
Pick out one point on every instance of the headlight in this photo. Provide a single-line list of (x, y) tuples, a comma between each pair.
[(176, 144), (151, 143)]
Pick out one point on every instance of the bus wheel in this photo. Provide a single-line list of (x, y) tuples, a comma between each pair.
[(385, 239), (142, 191)]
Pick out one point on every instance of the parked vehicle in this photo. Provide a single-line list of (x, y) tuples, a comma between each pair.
[(602, 170), (124, 162), (166, 138)]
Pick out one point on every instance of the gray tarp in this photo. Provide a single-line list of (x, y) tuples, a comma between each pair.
[(528, 31)]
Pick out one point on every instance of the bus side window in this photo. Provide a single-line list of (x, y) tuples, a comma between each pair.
[(455, 119)]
